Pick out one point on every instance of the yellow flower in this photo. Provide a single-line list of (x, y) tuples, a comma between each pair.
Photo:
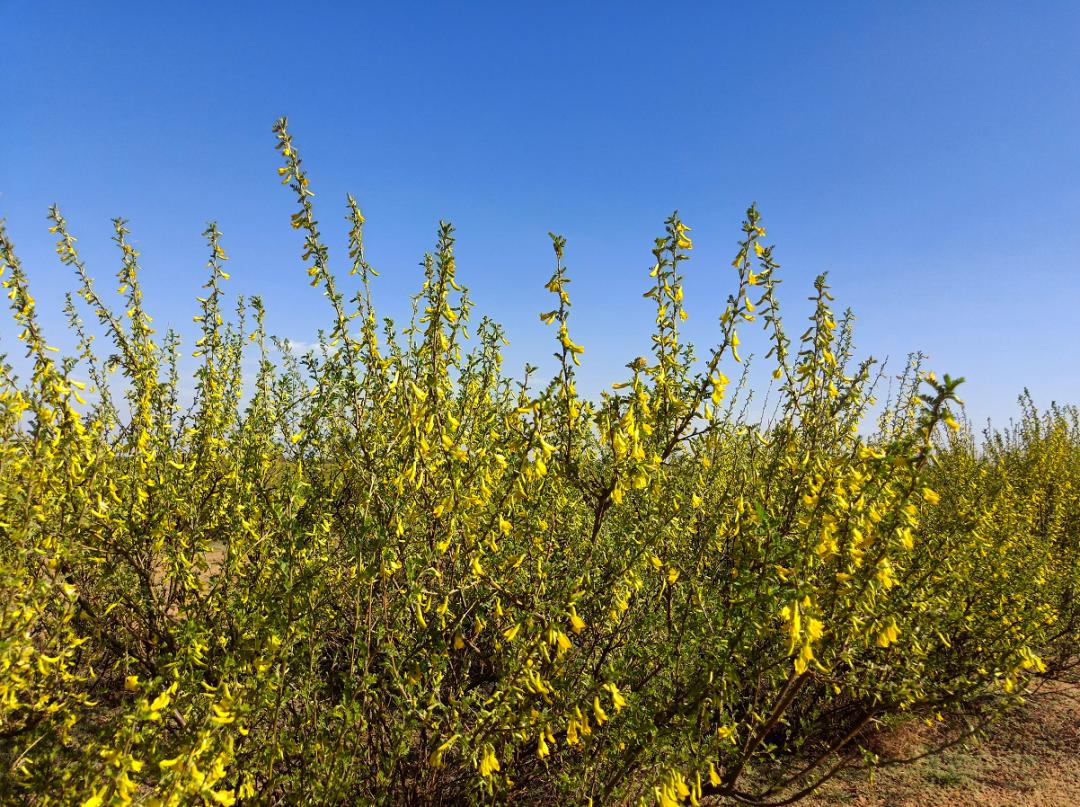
[(598, 711), (165, 764), (489, 763), (806, 655), (888, 635), (563, 642), (221, 715), (572, 733), (681, 240), (790, 614), (617, 699), (577, 624)]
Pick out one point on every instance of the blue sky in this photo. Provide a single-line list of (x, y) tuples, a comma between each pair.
[(926, 155)]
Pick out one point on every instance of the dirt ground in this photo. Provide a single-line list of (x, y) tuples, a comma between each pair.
[(1030, 759)]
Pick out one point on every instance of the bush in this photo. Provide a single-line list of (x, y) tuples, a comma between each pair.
[(392, 574)]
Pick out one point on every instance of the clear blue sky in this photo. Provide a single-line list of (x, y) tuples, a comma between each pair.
[(926, 154)]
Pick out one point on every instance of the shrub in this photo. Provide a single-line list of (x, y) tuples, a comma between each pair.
[(390, 573)]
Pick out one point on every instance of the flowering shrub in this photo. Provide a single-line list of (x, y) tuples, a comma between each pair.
[(389, 573)]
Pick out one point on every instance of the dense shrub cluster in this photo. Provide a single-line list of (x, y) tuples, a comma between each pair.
[(389, 573)]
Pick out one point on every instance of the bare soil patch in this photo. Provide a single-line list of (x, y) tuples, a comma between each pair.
[(1031, 758)]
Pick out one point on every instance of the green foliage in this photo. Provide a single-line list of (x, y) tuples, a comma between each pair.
[(389, 573)]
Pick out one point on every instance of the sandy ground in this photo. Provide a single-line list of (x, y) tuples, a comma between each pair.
[(1030, 759)]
